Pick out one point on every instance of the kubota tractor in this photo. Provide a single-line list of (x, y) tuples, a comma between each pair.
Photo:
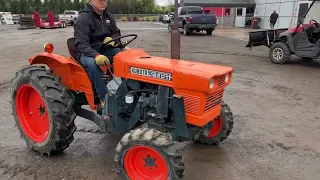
[(178, 100)]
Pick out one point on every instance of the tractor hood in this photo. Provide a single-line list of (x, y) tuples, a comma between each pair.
[(137, 64)]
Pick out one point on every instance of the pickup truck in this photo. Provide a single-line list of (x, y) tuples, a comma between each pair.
[(192, 18), (167, 17), (69, 16)]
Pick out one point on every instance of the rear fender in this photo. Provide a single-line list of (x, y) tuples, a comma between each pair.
[(72, 75), (288, 39)]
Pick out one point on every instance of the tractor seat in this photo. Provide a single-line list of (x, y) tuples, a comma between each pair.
[(75, 55), (72, 49)]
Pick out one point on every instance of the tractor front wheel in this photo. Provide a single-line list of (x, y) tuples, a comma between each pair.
[(43, 110), (148, 154), (221, 129)]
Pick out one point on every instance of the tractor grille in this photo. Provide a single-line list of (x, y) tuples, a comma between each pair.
[(191, 104), (221, 80), (213, 100)]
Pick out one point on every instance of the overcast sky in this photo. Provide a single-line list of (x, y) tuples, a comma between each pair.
[(164, 2)]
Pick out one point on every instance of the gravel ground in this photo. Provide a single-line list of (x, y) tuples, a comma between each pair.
[(276, 109)]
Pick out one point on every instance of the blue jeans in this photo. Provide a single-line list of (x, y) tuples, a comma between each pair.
[(95, 73), (272, 25)]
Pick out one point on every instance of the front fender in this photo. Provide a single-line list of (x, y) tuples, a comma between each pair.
[(72, 75), (288, 39)]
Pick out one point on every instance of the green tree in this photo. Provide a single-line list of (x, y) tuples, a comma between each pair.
[(58, 6), (45, 7), (61, 6), (30, 6), (83, 3), (37, 5), (14, 6), (4, 5), (67, 4), (136, 6), (51, 6), (76, 5), (148, 6), (171, 8), (23, 6)]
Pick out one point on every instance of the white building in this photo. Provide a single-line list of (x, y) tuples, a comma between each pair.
[(241, 12), (288, 10)]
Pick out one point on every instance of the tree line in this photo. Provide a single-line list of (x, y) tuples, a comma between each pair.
[(59, 6)]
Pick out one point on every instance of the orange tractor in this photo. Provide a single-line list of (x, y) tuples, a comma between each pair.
[(176, 100)]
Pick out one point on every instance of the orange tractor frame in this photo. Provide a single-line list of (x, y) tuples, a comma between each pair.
[(178, 100)]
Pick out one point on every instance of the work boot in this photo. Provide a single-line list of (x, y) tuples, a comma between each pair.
[(100, 108)]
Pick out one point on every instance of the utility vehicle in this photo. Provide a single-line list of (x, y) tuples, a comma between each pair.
[(302, 40)]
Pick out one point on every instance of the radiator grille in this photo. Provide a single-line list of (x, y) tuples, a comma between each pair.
[(191, 104), (221, 80), (213, 100)]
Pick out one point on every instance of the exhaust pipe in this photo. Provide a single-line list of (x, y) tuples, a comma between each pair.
[(175, 34)]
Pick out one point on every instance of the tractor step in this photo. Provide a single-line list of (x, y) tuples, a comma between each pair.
[(100, 120)]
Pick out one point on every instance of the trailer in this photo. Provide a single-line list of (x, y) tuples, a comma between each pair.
[(56, 24), (52, 22)]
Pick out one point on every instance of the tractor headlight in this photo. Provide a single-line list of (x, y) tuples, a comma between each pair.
[(211, 83), (227, 77)]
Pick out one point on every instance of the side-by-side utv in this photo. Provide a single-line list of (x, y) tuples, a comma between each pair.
[(302, 40)]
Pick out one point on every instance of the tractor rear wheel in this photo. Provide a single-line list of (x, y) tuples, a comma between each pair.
[(221, 129), (279, 53), (148, 154), (43, 110)]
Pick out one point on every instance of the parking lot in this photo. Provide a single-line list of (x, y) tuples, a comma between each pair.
[(276, 111)]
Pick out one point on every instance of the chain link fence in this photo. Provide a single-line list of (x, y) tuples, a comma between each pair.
[(137, 17), (118, 17)]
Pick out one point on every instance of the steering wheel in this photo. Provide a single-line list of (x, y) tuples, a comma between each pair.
[(120, 44), (315, 24)]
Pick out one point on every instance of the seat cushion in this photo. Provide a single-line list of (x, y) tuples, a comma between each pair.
[(72, 49)]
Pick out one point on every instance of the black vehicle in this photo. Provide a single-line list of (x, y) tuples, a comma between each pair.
[(192, 18)]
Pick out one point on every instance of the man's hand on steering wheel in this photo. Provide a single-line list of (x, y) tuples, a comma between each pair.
[(108, 39), (116, 42)]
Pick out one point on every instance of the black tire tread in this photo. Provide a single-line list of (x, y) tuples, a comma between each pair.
[(286, 52), (169, 28), (187, 30), (157, 140), (209, 32), (307, 59), (225, 131), (58, 102)]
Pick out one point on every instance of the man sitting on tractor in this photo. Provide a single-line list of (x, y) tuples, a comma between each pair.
[(93, 28)]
